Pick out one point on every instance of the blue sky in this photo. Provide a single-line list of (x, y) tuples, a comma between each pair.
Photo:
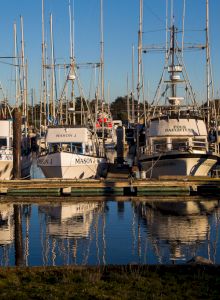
[(121, 19)]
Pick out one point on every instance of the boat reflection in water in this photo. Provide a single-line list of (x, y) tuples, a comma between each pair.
[(69, 230), (179, 231), (137, 231), (6, 232), (6, 224)]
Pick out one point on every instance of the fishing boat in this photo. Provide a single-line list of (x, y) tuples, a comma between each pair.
[(106, 131), (72, 152), (6, 152), (176, 131)]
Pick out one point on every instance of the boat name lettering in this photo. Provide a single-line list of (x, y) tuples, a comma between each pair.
[(88, 160), (65, 135), (45, 161), (178, 128)]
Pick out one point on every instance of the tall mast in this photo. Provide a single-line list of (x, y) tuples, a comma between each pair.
[(139, 59), (102, 51), (24, 98), (173, 87), (207, 64), (43, 72), (132, 93), (102, 65), (16, 66), (139, 71), (52, 103), (128, 102), (72, 62)]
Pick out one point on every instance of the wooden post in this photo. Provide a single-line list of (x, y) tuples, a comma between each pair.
[(120, 144), (16, 144)]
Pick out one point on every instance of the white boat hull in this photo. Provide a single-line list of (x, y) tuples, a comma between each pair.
[(72, 166), (178, 165), (6, 167)]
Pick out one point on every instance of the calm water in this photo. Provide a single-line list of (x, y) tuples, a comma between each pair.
[(109, 232)]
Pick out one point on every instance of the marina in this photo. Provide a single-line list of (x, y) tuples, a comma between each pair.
[(109, 184)]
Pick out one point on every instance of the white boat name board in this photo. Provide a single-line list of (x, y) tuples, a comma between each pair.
[(67, 135), (191, 127), (178, 129)]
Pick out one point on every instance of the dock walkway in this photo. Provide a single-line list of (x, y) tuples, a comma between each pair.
[(166, 185)]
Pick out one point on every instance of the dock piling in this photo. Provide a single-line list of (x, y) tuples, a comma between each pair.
[(16, 144)]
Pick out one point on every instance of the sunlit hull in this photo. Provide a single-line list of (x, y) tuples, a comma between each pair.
[(72, 166), (182, 164)]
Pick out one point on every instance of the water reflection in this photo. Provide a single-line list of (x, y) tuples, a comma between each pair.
[(6, 224), (180, 230), (67, 233), (97, 233)]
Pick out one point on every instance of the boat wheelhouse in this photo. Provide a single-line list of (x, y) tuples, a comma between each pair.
[(72, 152)]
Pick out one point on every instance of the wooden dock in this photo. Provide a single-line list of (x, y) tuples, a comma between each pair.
[(164, 186)]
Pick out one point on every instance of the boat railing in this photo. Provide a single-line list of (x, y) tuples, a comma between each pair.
[(174, 146), (199, 145), (178, 111)]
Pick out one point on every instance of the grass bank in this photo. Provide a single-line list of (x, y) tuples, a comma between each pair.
[(111, 282)]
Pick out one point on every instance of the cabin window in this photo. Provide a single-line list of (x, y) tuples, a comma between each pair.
[(179, 144), (77, 148), (66, 147), (54, 147), (160, 145), (87, 148), (3, 142)]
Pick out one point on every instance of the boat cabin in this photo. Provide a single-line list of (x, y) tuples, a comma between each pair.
[(6, 134), (70, 139), (167, 134)]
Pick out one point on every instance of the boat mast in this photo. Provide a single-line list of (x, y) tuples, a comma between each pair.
[(132, 93), (102, 51), (102, 67), (52, 103), (139, 74), (139, 59), (173, 86), (207, 65), (72, 63), (128, 101), (44, 121), (24, 98), (16, 66)]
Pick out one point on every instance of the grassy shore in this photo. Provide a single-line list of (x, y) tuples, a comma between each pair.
[(111, 282)]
